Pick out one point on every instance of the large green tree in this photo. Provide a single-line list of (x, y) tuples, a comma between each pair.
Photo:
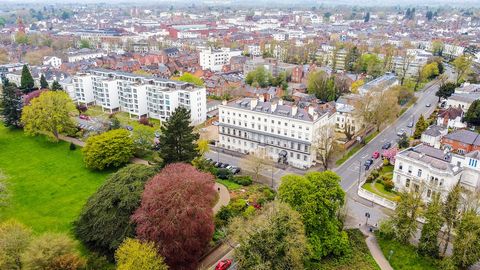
[(14, 240), (420, 127), (56, 86), (322, 86), (451, 214), (135, 255), (110, 149), (26, 81), (318, 197), (273, 240), (473, 113), (50, 113), (12, 105), (429, 244), (406, 213), (178, 141), (51, 251), (463, 67), (105, 221), (446, 90), (466, 246)]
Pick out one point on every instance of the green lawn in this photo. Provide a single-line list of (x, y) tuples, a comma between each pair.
[(125, 119), (405, 257), (355, 149), (229, 184), (359, 259), (380, 190), (48, 184)]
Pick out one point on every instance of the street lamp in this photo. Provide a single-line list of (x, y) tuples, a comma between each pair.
[(367, 215)]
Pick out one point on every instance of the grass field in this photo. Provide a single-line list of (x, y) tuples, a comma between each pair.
[(47, 183), (405, 257)]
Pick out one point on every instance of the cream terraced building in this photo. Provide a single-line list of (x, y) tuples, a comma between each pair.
[(284, 132)]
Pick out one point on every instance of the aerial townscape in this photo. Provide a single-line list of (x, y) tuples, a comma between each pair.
[(240, 134)]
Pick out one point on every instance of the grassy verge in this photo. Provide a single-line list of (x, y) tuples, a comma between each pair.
[(359, 259), (405, 257), (229, 184), (355, 149), (379, 189), (48, 184)]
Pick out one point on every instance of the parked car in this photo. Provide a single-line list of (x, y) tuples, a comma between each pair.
[(401, 132), (216, 164), (368, 162), (224, 165), (387, 145), (367, 167), (223, 264), (235, 170), (428, 105), (410, 124), (375, 155)]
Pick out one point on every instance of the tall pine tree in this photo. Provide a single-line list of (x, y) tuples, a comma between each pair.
[(27, 83), (12, 104), (43, 82), (178, 141)]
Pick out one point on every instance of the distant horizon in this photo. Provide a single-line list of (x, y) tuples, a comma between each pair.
[(282, 3)]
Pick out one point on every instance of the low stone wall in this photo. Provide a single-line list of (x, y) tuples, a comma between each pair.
[(376, 198)]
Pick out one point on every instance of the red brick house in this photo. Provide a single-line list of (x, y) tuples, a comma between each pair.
[(461, 141)]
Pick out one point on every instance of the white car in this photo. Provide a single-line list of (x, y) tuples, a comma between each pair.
[(401, 132)]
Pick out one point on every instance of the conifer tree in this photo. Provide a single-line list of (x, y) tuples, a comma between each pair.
[(178, 141), (43, 82), (12, 104), (429, 244), (26, 83)]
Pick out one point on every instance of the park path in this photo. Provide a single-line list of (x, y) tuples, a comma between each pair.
[(375, 250), (223, 198)]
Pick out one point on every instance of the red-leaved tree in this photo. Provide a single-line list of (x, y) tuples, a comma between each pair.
[(390, 154), (176, 214), (28, 97)]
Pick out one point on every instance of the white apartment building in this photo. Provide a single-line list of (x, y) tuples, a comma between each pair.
[(435, 171), (215, 59), (139, 95), (411, 63), (284, 132), (464, 96)]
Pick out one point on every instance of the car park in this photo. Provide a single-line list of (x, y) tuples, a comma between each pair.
[(387, 145)]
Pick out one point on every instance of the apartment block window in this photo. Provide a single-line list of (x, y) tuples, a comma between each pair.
[(407, 183), (410, 169), (419, 173), (305, 157), (429, 193)]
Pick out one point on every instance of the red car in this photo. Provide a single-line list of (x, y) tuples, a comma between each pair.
[(376, 155), (223, 265)]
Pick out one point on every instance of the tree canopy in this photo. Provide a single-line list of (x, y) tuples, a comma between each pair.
[(135, 255), (43, 82), (104, 221), (177, 139), (322, 86), (109, 149), (26, 82), (273, 240), (473, 113), (176, 214), (49, 113), (318, 197), (463, 67), (12, 105), (14, 240), (446, 90), (188, 77)]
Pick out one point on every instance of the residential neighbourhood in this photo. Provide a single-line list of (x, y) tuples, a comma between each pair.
[(240, 135)]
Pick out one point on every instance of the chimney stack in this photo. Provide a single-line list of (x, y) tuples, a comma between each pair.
[(273, 106), (294, 110), (253, 103)]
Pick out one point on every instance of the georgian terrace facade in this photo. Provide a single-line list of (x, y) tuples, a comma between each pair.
[(284, 132)]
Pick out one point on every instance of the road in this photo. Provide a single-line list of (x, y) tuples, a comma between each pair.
[(352, 170)]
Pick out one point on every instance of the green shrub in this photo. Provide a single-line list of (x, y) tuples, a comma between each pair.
[(387, 230), (374, 174), (386, 162), (224, 173), (388, 183), (249, 211), (244, 180)]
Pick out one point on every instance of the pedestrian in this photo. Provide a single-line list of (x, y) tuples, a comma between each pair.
[(218, 189)]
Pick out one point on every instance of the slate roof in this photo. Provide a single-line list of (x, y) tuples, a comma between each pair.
[(464, 136), (434, 131)]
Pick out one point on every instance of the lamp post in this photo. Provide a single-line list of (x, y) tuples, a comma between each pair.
[(367, 216)]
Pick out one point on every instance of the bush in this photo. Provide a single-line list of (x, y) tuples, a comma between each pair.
[(72, 146), (144, 121), (224, 173), (233, 209), (389, 185), (375, 174), (387, 230), (249, 211), (244, 180), (386, 162), (110, 149)]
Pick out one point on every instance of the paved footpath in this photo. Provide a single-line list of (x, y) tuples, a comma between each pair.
[(375, 250), (223, 198)]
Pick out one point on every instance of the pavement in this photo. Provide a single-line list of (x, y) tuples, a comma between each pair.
[(223, 198)]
